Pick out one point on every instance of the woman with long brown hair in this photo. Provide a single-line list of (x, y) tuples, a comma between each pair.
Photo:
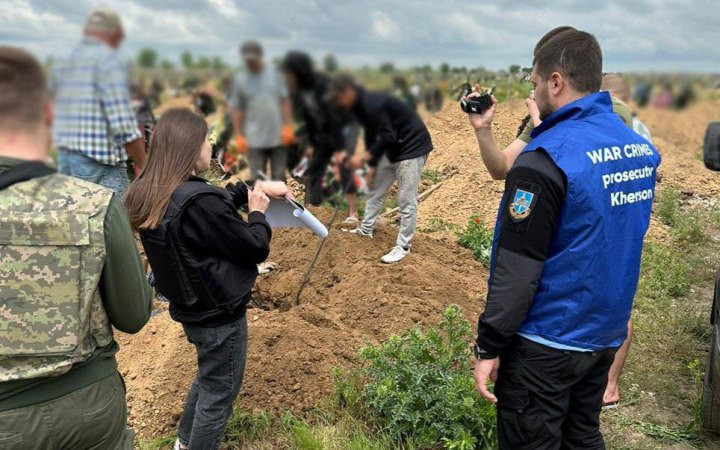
[(204, 257)]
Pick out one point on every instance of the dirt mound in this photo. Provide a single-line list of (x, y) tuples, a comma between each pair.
[(471, 189), (351, 299), (679, 135)]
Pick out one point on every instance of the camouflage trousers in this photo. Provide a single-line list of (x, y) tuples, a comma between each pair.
[(93, 417)]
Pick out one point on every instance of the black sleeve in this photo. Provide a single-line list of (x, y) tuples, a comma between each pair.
[(212, 226), (239, 193), (534, 194), (384, 137)]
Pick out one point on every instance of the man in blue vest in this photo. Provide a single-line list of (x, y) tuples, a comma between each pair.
[(566, 255)]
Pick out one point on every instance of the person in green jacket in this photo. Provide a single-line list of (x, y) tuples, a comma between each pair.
[(69, 272)]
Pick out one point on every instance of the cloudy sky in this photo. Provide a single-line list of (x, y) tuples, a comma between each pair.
[(660, 35)]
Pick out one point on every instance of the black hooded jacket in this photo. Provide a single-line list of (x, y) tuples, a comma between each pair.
[(392, 128), (323, 122)]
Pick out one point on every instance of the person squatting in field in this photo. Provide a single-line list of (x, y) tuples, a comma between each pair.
[(499, 163), (565, 259), (330, 131), (398, 143), (70, 272), (204, 257)]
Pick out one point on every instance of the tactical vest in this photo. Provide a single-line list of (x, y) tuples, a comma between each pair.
[(52, 252), (194, 285), (588, 283)]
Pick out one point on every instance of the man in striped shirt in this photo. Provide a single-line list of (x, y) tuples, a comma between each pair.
[(95, 127)]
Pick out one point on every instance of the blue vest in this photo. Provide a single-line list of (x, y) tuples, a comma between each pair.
[(589, 279)]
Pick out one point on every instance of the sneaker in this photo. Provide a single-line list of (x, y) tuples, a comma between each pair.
[(395, 255), (179, 446), (266, 267), (359, 231)]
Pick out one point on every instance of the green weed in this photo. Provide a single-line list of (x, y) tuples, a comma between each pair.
[(665, 272), (432, 175), (418, 387), (478, 238), (436, 224)]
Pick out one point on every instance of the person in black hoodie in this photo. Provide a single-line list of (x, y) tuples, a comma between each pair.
[(398, 144), (327, 127), (204, 257)]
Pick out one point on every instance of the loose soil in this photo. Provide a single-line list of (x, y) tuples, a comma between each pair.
[(352, 298)]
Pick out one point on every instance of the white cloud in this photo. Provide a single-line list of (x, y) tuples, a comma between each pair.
[(638, 35), (385, 27)]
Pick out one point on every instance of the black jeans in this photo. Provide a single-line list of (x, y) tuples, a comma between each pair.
[(221, 353), (316, 173), (549, 398)]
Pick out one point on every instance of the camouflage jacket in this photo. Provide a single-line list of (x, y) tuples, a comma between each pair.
[(52, 251)]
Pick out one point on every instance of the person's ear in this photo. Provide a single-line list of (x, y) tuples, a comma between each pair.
[(556, 84), (49, 113)]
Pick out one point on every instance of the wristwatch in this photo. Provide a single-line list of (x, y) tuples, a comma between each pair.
[(483, 354)]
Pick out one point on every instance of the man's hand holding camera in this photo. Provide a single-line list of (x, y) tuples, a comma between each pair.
[(482, 121)]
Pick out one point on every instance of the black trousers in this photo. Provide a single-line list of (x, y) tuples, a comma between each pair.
[(549, 398), (316, 173)]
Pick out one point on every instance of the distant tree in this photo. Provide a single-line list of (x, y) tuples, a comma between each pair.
[(187, 59), (166, 65), (427, 68), (147, 58), (203, 63), (514, 69), (387, 67), (330, 63), (444, 68), (218, 64)]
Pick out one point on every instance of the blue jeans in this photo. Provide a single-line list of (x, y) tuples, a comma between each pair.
[(221, 353), (79, 165)]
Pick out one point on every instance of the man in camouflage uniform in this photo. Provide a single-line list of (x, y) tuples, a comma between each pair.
[(69, 269)]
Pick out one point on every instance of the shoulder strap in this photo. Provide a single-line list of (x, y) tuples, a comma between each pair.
[(23, 172), (187, 192)]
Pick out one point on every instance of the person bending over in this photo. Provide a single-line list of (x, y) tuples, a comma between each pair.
[(398, 144)]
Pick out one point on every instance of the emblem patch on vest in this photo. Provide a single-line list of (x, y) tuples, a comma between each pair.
[(522, 203)]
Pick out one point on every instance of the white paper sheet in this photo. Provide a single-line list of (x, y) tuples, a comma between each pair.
[(287, 213)]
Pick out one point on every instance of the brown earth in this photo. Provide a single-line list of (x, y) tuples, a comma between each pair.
[(352, 298)]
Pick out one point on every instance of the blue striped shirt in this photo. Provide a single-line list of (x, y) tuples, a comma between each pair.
[(93, 113)]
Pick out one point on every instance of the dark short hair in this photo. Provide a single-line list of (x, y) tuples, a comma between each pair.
[(549, 35), (339, 83), (23, 89), (576, 55), (252, 47)]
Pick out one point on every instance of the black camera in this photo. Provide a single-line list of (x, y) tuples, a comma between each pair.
[(475, 105)]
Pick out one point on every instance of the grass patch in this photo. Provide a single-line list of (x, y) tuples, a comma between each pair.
[(478, 238), (436, 224), (668, 206), (432, 175), (665, 272)]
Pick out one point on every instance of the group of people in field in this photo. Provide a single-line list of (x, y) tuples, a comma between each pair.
[(565, 260)]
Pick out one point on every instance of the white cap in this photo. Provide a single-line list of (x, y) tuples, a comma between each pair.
[(103, 20)]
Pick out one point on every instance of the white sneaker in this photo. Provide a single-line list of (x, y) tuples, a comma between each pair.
[(359, 231), (396, 254), (266, 267), (179, 446)]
